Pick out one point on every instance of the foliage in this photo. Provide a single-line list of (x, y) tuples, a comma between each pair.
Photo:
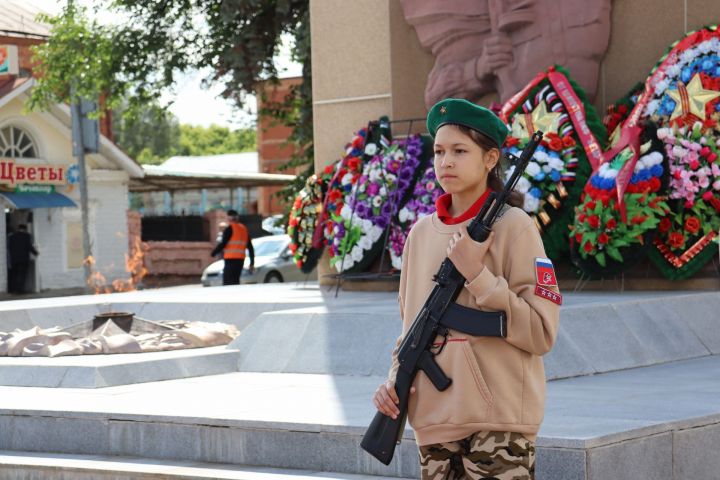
[(214, 140), (604, 239), (137, 60), (296, 111), (81, 55), (149, 137), (154, 135)]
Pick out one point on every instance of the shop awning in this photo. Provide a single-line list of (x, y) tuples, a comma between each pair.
[(157, 179), (37, 200)]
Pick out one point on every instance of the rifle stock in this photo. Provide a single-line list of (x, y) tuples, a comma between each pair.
[(385, 433), (415, 354)]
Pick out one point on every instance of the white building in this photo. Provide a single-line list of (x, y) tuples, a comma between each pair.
[(38, 187)]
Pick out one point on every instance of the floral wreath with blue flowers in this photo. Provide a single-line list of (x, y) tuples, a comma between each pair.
[(608, 236), (685, 103)]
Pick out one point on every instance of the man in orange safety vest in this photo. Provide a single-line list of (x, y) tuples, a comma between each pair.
[(235, 240)]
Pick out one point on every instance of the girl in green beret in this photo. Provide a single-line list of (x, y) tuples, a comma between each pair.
[(485, 424)]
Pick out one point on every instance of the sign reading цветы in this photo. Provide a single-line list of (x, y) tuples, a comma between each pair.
[(39, 174)]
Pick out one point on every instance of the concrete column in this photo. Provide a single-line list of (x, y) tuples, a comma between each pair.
[(167, 204), (367, 62), (203, 201)]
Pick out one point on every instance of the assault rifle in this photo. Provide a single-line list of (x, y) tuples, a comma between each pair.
[(439, 314)]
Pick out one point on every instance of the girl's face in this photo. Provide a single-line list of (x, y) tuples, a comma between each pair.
[(461, 165)]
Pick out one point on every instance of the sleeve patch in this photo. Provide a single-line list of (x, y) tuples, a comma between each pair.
[(545, 272), (549, 294)]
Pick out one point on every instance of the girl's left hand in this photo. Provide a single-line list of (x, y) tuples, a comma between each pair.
[(467, 255)]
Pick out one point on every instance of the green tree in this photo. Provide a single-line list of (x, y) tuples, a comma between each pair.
[(214, 140), (138, 59), (154, 135), (151, 136)]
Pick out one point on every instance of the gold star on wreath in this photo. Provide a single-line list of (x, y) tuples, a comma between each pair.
[(691, 98), (526, 124)]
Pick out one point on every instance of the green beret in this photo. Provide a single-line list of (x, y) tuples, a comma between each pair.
[(459, 111)]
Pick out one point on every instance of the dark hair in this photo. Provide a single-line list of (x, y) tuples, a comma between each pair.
[(232, 213), (515, 199)]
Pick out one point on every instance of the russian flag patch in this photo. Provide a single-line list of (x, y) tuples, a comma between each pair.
[(545, 272)]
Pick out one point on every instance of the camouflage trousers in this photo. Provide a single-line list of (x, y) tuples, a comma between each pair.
[(488, 455)]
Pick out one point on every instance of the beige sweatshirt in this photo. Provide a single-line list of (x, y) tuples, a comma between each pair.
[(498, 384)]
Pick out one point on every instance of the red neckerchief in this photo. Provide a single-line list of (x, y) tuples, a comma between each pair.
[(443, 202)]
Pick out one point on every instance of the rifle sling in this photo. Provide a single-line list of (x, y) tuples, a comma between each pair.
[(475, 322)]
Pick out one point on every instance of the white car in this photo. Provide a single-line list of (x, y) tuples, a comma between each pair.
[(273, 263)]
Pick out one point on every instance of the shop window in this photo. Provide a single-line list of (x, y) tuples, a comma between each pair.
[(16, 143)]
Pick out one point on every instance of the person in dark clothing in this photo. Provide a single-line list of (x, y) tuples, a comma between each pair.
[(20, 246), (235, 241)]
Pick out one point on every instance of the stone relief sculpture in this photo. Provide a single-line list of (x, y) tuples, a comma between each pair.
[(484, 46), (111, 339)]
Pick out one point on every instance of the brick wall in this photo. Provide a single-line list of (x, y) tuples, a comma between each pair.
[(24, 53), (271, 152), (178, 258), (175, 262), (26, 68)]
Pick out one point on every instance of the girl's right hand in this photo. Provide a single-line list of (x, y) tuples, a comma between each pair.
[(386, 399)]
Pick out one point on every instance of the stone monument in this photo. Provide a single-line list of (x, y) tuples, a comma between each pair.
[(488, 46)]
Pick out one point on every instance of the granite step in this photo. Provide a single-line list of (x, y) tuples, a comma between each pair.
[(102, 371), (47, 466), (659, 422)]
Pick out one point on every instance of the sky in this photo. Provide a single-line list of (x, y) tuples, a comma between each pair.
[(193, 104)]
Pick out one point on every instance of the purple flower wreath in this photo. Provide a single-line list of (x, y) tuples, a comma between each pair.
[(421, 203), (369, 209)]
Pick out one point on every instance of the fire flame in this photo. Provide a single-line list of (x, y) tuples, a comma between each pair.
[(134, 266)]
